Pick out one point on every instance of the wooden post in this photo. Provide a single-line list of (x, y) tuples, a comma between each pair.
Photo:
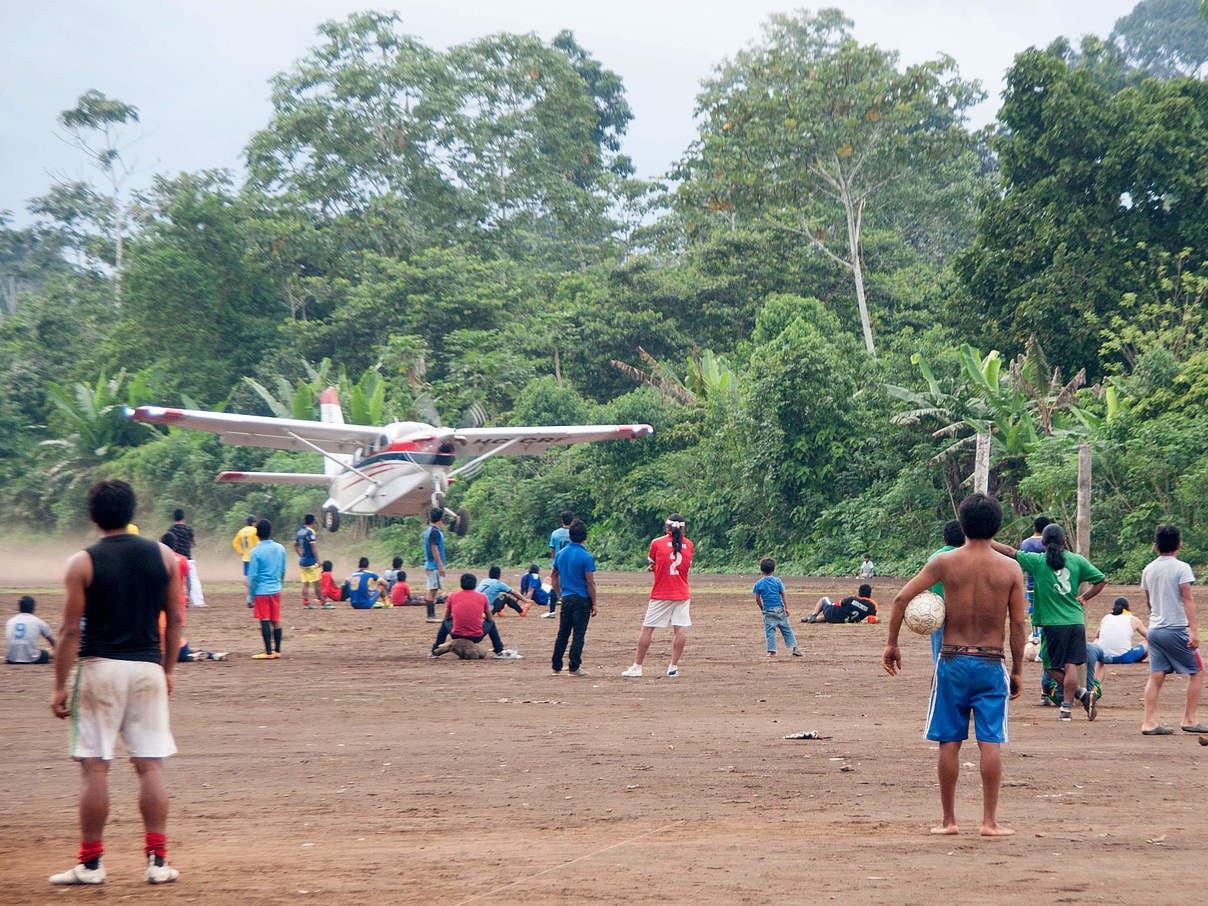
[(1082, 543), (981, 465)]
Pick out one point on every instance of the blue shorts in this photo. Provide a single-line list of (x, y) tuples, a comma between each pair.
[(1168, 652), (246, 564), (963, 683)]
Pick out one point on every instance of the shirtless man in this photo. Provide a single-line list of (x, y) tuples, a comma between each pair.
[(981, 587)]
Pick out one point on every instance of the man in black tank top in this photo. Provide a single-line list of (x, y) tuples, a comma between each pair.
[(118, 588)]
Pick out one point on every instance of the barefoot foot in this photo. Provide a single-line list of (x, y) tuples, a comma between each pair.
[(996, 830), (945, 830)]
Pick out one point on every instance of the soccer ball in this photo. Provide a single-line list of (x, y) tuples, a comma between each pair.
[(924, 613), (1031, 651)]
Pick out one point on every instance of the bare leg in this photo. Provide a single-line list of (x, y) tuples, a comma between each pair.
[(94, 798), (991, 777), (152, 795), (644, 644), (681, 639), (1152, 688), (949, 769), (1194, 685), (1070, 686), (818, 607)]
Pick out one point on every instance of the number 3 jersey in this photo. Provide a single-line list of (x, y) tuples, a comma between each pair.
[(670, 569)]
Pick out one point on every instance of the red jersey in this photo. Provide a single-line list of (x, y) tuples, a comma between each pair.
[(400, 593), (670, 569), (328, 587), (468, 609), (183, 563)]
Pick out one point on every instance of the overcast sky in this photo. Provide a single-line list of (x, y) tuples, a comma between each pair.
[(198, 69)]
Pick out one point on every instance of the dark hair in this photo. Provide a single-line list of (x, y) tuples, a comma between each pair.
[(168, 540), (264, 529), (326, 566), (954, 535), (468, 581), (676, 531), (566, 517), (767, 566), (865, 591), (578, 531), (1166, 538), (1040, 522), (1119, 606), (534, 568), (27, 604), (396, 563), (362, 563), (494, 572), (980, 516), (308, 519), (402, 576), (111, 504), (435, 515), (1053, 539), (866, 556), (251, 520), (178, 514)]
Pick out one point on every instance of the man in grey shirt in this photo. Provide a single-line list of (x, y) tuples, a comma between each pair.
[(1173, 639), (22, 634)]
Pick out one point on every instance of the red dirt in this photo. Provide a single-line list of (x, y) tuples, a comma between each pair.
[(354, 770)]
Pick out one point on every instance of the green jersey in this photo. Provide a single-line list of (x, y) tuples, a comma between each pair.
[(1055, 596), (938, 587)]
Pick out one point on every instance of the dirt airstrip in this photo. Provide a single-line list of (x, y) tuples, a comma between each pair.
[(355, 770)]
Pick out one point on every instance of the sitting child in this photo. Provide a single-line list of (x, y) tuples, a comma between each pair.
[(329, 591), (532, 588), (400, 591)]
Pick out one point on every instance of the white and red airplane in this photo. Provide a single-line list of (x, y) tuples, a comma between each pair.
[(400, 469)]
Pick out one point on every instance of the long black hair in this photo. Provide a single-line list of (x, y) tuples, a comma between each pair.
[(1053, 540), (675, 525)]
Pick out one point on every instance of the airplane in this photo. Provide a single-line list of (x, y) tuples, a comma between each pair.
[(399, 469)]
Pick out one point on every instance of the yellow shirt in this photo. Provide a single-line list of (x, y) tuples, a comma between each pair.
[(132, 528), (245, 540)]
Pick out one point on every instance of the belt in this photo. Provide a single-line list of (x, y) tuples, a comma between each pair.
[(987, 651)]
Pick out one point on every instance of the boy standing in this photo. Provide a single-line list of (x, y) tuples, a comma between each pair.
[(1173, 639), (434, 560), (981, 588), (23, 632), (306, 546), (243, 542), (265, 576), (770, 597)]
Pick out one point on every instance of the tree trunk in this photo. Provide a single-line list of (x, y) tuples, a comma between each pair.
[(857, 270), (1082, 544), (557, 366), (981, 465)]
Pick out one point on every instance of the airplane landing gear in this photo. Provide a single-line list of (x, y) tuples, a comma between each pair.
[(459, 521), (331, 518)]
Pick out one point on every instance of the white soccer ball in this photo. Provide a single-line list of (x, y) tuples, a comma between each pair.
[(924, 613)]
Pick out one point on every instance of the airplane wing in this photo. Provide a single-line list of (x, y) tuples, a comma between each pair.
[(275, 478), (533, 440), (263, 431)]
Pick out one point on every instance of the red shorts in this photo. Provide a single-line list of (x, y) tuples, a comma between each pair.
[(268, 607)]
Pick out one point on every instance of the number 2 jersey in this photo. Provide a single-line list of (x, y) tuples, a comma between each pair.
[(670, 569)]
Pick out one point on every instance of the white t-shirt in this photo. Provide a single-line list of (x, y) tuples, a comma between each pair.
[(1115, 633), (21, 636), (1162, 578), (866, 570)]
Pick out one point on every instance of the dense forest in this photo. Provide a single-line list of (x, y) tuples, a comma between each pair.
[(836, 287)]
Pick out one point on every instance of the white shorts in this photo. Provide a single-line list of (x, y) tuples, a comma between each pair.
[(115, 697), (433, 577), (661, 614)]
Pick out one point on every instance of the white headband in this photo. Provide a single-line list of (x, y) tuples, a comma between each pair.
[(678, 525)]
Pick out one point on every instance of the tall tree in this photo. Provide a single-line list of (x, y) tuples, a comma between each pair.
[(1166, 38), (810, 129)]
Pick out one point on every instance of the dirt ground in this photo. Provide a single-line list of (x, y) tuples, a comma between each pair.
[(355, 770)]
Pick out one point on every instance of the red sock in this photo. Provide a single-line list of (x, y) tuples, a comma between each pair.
[(90, 850), (154, 844)]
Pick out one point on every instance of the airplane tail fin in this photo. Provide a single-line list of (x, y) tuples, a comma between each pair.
[(329, 413)]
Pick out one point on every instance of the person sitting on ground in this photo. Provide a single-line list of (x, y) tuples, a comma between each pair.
[(329, 591), (364, 587), (468, 616), (400, 591), (23, 634), (1113, 644), (853, 609), (391, 575), (500, 595), (532, 588)]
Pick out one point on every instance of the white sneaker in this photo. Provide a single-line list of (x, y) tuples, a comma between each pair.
[(509, 655), (673, 670), (635, 670), (548, 615), (219, 655), (160, 872), (80, 875)]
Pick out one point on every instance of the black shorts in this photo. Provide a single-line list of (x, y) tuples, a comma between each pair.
[(1064, 645)]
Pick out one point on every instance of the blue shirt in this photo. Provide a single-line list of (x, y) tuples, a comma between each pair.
[(770, 591), (305, 539), (558, 539), (361, 586), (491, 588), (573, 563), (433, 535), (265, 568), (529, 580), (1032, 545)]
